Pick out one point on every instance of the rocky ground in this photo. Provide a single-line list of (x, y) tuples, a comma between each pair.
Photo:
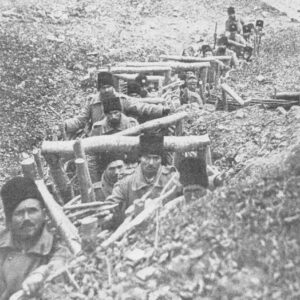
[(241, 241)]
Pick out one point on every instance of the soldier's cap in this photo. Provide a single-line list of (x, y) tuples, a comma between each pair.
[(104, 78), (232, 27), (193, 172), (107, 158), (151, 143), (251, 25), (111, 104), (230, 10), (17, 190), (206, 48), (133, 88), (259, 23), (223, 41), (142, 80), (246, 29)]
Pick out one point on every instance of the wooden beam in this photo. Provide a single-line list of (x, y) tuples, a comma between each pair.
[(173, 64), (66, 229), (104, 143), (82, 179), (38, 161), (153, 124), (131, 77), (28, 168), (194, 59), (134, 70), (79, 153), (232, 93)]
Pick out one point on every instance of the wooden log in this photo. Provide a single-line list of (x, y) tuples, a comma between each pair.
[(194, 59), (38, 161), (173, 85), (28, 168), (153, 100), (93, 205), (236, 44), (153, 124), (131, 77), (224, 100), (79, 153), (173, 64), (141, 217), (104, 143), (134, 70), (59, 176), (66, 229), (287, 95), (82, 179), (232, 93)]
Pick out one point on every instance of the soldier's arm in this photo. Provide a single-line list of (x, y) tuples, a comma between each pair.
[(59, 257), (119, 196), (142, 109), (78, 122)]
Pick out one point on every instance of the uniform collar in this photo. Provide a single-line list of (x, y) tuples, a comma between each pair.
[(42, 247), (139, 180)]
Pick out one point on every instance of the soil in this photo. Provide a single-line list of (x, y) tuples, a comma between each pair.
[(241, 241)]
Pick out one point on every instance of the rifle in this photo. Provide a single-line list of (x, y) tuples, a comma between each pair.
[(215, 35)]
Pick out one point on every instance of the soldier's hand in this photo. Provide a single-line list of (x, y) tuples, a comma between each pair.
[(32, 284)]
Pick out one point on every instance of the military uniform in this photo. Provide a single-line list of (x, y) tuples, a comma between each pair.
[(191, 97), (47, 255), (238, 21), (134, 186), (239, 39), (93, 112)]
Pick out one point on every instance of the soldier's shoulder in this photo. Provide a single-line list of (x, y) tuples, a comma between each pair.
[(126, 174)]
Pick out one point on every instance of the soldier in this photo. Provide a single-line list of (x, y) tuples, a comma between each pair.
[(143, 82), (93, 112), (191, 92), (29, 253), (233, 19), (222, 49), (235, 37), (206, 51), (114, 170), (149, 177), (194, 178), (114, 121)]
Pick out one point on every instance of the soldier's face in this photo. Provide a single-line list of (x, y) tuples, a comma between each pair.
[(150, 164), (107, 91), (114, 118), (208, 54), (192, 85), (27, 219), (115, 170), (193, 192)]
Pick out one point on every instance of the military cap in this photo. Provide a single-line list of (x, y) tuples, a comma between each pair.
[(230, 10), (205, 48), (104, 78), (17, 190), (223, 40), (151, 143), (259, 23), (193, 172), (246, 29), (110, 104), (232, 27), (133, 88), (142, 80)]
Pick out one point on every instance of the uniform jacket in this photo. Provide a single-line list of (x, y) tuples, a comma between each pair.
[(46, 256), (93, 112), (103, 189), (101, 128), (239, 23), (135, 186)]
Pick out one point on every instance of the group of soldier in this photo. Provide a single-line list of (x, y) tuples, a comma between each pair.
[(29, 252)]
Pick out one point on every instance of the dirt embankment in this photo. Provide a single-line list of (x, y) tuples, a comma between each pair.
[(241, 242)]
